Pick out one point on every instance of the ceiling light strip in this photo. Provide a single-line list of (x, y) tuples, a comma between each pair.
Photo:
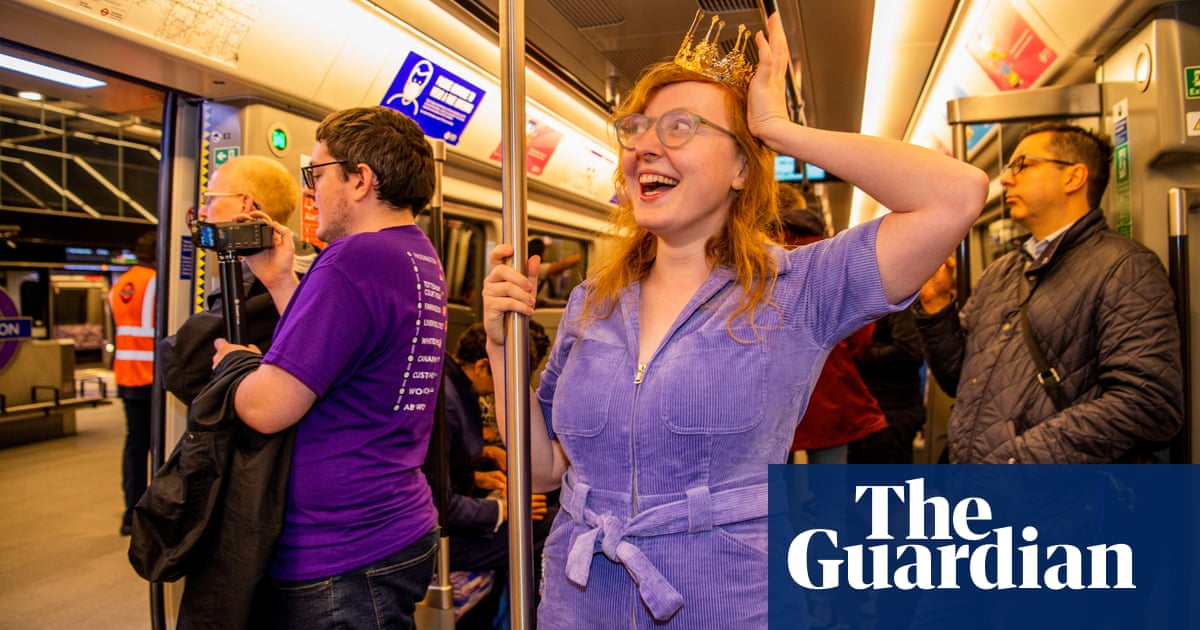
[(49, 73)]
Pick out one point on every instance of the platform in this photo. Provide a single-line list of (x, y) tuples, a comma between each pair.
[(62, 562)]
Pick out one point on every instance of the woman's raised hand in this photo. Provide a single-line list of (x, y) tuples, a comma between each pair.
[(766, 99)]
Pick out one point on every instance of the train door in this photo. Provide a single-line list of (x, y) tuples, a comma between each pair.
[(80, 151), (1151, 94), (1140, 101), (85, 169), (205, 135)]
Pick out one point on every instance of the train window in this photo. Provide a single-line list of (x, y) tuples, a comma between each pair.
[(79, 314), (1002, 235), (464, 263), (71, 305), (562, 267), (85, 153)]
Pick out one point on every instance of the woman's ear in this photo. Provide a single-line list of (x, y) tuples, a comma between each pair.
[(739, 179)]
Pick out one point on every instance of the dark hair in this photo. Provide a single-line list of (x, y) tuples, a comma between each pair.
[(1076, 144), (472, 344), (803, 222), (392, 145), (537, 247), (146, 249)]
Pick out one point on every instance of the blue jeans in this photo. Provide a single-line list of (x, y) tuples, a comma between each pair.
[(381, 595)]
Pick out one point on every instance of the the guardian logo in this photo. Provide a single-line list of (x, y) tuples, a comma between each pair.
[(956, 549)]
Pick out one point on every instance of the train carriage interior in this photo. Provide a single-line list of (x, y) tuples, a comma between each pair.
[(113, 117)]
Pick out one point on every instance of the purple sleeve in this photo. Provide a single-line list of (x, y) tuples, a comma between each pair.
[(836, 287)]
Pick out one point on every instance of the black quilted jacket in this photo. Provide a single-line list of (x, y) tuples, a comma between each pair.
[(214, 510), (1103, 313)]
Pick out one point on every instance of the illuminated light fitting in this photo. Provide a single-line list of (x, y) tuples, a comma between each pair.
[(47, 72), (891, 19), (30, 95)]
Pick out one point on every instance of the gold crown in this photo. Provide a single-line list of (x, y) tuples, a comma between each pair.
[(732, 69)]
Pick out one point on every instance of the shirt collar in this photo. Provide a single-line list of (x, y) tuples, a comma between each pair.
[(1036, 248)]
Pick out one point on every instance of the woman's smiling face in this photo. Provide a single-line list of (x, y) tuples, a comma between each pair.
[(684, 194)]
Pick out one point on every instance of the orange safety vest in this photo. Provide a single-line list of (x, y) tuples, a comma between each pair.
[(132, 300)]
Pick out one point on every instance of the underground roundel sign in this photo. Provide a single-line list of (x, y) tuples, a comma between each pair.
[(13, 329)]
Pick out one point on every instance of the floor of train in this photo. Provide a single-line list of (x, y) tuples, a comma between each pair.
[(63, 563)]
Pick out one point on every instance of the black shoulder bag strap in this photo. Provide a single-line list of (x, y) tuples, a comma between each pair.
[(1046, 375)]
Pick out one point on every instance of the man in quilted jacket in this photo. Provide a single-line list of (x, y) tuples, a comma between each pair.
[(1099, 308)]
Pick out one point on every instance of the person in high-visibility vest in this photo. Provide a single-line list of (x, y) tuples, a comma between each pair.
[(132, 301)]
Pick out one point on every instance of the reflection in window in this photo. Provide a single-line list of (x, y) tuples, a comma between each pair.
[(464, 258), (464, 245), (561, 270), (1003, 236)]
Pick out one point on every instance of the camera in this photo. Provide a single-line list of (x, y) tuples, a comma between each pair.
[(237, 237)]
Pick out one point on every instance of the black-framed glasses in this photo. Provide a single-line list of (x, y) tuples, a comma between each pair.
[(306, 172), (1022, 162), (674, 128)]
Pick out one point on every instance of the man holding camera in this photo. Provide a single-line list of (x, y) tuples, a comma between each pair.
[(239, 186), (355, 365)]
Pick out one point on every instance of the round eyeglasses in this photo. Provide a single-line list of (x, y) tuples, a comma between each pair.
[(674, 128), (1022, 162)]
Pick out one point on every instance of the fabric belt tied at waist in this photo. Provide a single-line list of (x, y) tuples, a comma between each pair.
[(700, 511)]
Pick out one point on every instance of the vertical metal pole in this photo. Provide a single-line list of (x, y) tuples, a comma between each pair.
[(516, 349), (959, 134), (437, 610), (166, 192), (1180, 202), (232, 299)]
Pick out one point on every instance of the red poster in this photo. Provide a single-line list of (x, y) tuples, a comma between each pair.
[(308, 222), (1008, 50), (540, 142)]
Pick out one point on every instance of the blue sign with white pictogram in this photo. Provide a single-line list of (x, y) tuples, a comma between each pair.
[(441, 102)]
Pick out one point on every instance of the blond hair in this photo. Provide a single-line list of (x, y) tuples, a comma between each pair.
[(268, 182)]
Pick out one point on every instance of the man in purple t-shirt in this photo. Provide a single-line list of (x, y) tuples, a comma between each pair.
[(356, 361)]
